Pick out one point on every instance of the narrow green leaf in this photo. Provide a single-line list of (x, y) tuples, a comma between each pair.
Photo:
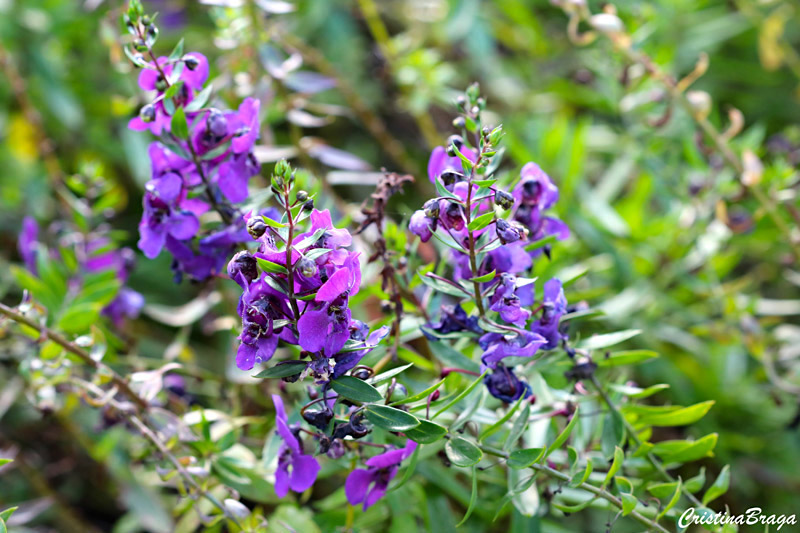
[(562, 437), (442, 286), (177, 52), (679, 417), (518, 428), (497, 426), (5, 515), (616, 464), (595, 342), (662, 490), (578, 480), (472, 499), (462, 452), (627, 357), (420, 395), (719, 487), (199, 100), (461, 396), (675, 497), (355, 389), (486, 277), (696, 483)]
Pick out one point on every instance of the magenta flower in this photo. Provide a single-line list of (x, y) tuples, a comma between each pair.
[(553, 306), (162, 216), (260, 306), (296, 470), (326, 328), (368, 485)]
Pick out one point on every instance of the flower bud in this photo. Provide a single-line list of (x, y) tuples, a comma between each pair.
[(504, 199), (256, 227), (191, 62), (308, 205), (302, 196), (473, 91), (217, 124), (146, 20), (507, 232), (431, 208), (148, 113), (459, 122), (244, 264), (461, 101), (361, 373), (449, 177), (282, 168), (456, 140), (307, 267)]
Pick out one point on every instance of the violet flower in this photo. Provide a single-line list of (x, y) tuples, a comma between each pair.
[(368, 485), (296, 471), (260, 306), (26, 243), (163, 217), (553, 307), (452, 319), (508, 303), (505, 386), (497, 346)]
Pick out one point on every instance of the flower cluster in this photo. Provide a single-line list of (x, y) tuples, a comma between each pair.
[(297, 286), (94, 254), (203, 159), (494, 236)]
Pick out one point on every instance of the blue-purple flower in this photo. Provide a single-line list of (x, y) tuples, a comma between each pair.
[(517, 343), (368, 485), (553, 306), (508, 300), (163, 217), (504, 385), (296, 471)]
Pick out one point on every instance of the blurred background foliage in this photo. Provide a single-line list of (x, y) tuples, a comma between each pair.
[(670, 241)]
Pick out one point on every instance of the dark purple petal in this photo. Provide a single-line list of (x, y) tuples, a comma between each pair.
[(357, 484), (313, 329)]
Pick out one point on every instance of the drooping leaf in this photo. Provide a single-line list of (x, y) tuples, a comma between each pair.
[(462, 452), (355, 389)]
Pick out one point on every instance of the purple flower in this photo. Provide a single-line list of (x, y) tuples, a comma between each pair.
[(497, 346), (453, 319), (553, 306), (535, 188), (331, 237), (368, 485), (296, 470), (162, 216), (506, 302), (26, 244), (127, 304), (507, 232), (346, 361), (440, 162), (505, 386), (326, 328), (422, 225), (260, 307), (243, 125)]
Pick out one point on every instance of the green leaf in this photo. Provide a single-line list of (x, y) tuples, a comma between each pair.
[(426, 432), (481, 222), (486, 277), (519, 459), (636, 392), (719, 487), (461, 396), (79, 317), (494, 428), (697, 482), (356, 389), (675, 497), (442, 286), (282, 370), (595, 342), (391, 419), (518, 428), (613, 432), (178, 124), (466, 163), (473, 497), (563, 436), (177, 52), (269, 266), (678, 417), (199, 100), (5, 515), (3, 528), (684, 451), (420, 395), (662, 490), (616, 464), (485, 183), (462, 452), (384, 376), (5, 461), (444, 193), (627, 357), (578, 480), (448, 356), (629, 502)]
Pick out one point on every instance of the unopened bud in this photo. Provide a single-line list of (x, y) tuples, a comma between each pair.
[(459, 122), (504, 199), (700, 101), (302, 196), (307, 267), (431, 208), (148, 113), (308, 205), (256, 227), (191, 62)]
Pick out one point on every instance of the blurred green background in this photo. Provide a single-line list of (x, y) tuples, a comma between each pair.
[(671, 242)]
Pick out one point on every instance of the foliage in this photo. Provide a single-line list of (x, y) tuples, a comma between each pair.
[(570, 344)]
